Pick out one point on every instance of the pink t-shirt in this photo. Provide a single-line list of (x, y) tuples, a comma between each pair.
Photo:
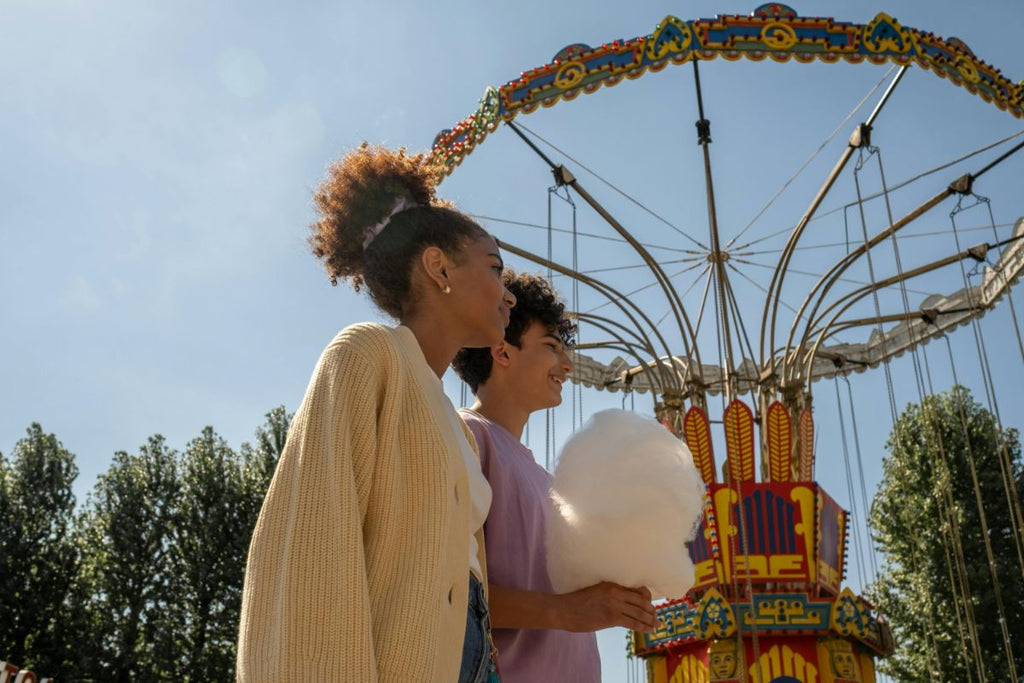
[(517, 558)]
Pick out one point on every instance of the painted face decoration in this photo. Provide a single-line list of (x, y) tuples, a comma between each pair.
[(844, 665), (723, 663)]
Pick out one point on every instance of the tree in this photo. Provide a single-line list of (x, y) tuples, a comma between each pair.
[(210, 540), (937, 586), (126, 530), (258, 465), (145, 582), (38, 553), (270, 440)]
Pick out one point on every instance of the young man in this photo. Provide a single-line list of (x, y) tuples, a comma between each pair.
[(539, 635)]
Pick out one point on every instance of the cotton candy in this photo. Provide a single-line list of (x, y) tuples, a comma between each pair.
[(627, 497)]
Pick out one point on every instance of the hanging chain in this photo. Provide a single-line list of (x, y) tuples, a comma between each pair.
[(849, 488), (948, 510)]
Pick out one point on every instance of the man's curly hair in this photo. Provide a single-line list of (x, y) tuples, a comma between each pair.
[(536, 301)]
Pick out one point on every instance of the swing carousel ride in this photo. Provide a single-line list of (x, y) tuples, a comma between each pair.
[(865, 270)]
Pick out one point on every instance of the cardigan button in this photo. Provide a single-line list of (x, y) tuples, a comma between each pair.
[(456, 493), (450, 590)]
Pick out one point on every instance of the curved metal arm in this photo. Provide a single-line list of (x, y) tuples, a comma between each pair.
[(859, 138), (853, 297), (962, 185), (609, 292), (564, 177), (829, 279), (627, 347), (608, 325)]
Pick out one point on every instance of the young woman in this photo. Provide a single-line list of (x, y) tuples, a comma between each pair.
[(367, 561)]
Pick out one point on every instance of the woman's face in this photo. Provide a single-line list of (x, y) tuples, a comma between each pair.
[(478, 297)]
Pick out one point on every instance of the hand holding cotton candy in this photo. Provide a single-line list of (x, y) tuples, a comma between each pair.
[(627, 497)]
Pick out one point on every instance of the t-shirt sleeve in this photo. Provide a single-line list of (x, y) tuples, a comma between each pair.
[(484, 445)]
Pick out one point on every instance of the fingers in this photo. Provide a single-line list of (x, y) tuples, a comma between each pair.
[(639, 621), (611, 604), (636, 609), (640, 597)]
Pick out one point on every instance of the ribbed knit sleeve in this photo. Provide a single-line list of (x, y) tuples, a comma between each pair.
[(306, 612), (358, 568)]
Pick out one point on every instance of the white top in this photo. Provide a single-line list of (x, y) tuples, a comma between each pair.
[(479, 491)]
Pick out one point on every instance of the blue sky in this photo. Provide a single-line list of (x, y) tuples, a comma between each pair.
[(158, 161)]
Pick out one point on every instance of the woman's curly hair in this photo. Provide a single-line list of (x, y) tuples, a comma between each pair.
[(536, 301), (359, 192)]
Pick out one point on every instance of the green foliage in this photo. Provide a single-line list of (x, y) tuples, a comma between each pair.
[(937, 585), (38, 553), (270, 439), (145, 582), (127, 531), (210, 540)]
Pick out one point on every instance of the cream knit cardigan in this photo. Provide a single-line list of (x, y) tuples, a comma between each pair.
[(358, 568)]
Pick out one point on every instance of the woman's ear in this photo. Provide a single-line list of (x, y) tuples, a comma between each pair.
[(436, 264)]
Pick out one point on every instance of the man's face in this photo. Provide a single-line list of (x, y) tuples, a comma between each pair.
[(539, 366)]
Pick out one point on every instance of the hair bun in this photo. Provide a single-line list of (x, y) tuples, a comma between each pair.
[(360, 192), (403, 203)]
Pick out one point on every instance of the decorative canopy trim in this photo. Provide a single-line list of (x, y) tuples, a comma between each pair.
[(772, 31), (683, 622)]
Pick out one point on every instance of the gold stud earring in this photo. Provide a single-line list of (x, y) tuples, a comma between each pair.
[(447, 289)]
